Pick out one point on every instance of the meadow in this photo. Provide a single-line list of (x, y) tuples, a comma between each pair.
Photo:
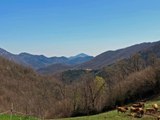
[(113, 115)]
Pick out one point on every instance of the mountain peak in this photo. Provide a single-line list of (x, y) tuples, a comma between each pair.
[(81, 55), (24, 53), (28, 54)]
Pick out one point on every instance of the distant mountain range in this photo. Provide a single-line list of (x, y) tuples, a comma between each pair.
[(111, 57), (51, 65), (40, 61), (104, 59), (54, 68)]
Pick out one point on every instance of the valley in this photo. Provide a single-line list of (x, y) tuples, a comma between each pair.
[(79, 60)]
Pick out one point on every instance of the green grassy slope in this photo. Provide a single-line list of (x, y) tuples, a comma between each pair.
[(113, 115), (15, 117)]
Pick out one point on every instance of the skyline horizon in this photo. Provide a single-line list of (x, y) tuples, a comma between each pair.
[(20, 52)]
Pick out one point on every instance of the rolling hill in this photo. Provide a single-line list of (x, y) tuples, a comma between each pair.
[(40, 61), (111, 57)]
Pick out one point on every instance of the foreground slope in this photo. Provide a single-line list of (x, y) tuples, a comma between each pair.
[(113, 115)]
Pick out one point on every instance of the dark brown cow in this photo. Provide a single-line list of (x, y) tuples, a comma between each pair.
[(150, 110)]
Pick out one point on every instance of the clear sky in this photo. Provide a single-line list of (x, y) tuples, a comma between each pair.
[(69, 27)]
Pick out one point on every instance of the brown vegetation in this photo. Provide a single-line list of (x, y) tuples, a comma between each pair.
[(29, 92)]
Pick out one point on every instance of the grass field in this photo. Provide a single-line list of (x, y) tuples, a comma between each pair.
[(15, 117), (113, 115)]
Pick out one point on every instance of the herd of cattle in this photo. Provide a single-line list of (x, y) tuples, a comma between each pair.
[(138, 110)]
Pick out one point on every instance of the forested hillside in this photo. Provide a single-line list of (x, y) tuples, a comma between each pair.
[(126, 81), (28, 92)]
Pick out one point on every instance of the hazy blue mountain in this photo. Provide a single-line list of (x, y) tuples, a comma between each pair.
[(79, 59), (106, 58), (110, 57), (66, 65), (41, 61), (81, 55), (54, 68), (10, 56)]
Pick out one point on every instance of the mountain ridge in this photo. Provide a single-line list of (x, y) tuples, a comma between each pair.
[(39, 61), (109, 57), (44, 64)]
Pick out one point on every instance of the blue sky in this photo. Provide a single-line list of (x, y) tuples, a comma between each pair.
[(69, 27)]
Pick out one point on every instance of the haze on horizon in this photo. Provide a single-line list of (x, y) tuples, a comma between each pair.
[(70, 27)]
